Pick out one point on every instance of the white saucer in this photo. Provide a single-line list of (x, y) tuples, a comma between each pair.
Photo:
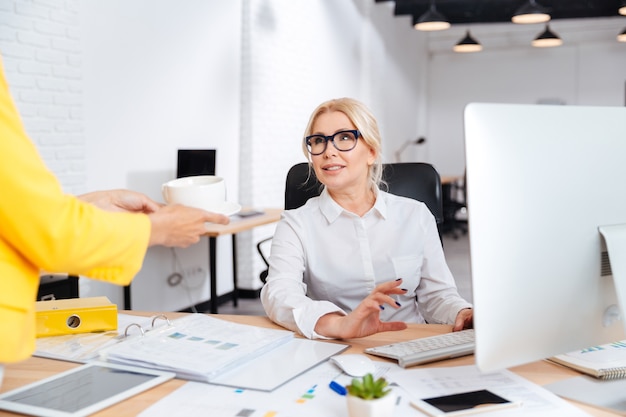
[(228, 209)]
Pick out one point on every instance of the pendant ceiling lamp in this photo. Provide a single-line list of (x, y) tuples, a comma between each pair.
[(547, 39), (622, 36), (531, 12), (431, 20), (622, 8), (468, 44)]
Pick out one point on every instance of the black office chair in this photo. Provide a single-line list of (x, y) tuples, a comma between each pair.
[(417, 180)]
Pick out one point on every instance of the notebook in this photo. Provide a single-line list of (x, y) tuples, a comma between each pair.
[(604, 362)]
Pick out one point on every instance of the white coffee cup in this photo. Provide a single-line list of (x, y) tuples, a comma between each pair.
[(207, 192)]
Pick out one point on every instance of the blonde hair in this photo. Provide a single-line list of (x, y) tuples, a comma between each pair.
[(364, 121)]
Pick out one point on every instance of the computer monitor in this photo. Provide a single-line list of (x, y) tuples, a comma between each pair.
[(541, 179), (195, 162)]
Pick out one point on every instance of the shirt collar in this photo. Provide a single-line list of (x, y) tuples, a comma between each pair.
[(331, 210)]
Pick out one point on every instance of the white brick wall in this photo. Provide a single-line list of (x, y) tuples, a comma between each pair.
[(41, 51)]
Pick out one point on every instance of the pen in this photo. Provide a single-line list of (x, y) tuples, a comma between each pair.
[(338, 388)]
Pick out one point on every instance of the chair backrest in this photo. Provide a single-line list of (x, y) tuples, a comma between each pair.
[(417, 180)]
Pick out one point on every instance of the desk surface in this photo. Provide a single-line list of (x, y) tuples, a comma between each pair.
[(240, 224), (34, 368)]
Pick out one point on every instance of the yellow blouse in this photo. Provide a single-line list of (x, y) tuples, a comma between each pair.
[(43, 228)]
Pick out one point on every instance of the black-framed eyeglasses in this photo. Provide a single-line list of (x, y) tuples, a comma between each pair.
[(343, 141)]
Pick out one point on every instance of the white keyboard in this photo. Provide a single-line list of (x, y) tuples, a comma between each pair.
[(428, 349)]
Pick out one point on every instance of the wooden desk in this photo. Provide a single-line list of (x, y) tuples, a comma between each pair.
[(33, 369), (237, 224)]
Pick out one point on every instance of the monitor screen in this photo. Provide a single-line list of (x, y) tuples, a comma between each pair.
[(195, 162), (541, 179)]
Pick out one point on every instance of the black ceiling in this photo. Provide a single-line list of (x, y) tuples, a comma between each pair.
[(499, 11)]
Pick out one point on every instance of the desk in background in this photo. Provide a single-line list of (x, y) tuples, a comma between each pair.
[(34, 369), (450, 179), (237, 224), (453, 203)]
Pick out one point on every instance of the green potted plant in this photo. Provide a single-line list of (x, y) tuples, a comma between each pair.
[(369, 397)]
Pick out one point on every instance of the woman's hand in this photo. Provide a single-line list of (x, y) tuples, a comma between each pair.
[(181, 226), (365, 319), (464, 320)]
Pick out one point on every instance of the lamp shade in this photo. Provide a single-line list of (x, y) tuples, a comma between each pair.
[(622, 8), (622, 36), (468, 44), (531, 12), (547, 39), (431, 20)]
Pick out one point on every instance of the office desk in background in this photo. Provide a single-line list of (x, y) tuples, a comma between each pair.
[(34, 369), (237, 225), (450, 179)]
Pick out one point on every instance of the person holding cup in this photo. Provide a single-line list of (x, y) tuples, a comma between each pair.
[(103, 235), (356, 260)]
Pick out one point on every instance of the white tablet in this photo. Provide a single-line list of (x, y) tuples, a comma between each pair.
[(81, 391)]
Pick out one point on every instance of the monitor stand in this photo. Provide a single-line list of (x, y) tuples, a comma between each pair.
[(615, 239), (611, 394)]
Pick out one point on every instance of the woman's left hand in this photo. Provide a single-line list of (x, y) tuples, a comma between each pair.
[(364, 320)]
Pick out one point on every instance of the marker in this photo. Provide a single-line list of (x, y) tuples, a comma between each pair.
[(338, 388)]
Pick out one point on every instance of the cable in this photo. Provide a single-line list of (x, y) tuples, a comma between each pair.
[(180, 278)]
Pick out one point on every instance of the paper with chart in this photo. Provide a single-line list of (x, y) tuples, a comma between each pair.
[(308, 395), (197, 347)]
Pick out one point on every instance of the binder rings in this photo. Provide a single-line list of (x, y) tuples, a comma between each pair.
[(75, 315)]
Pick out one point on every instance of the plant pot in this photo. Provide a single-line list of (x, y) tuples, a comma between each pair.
[(380, 407)]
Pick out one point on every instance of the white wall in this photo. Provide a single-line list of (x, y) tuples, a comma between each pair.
[(588, 69), (41, 52), (162, 75)]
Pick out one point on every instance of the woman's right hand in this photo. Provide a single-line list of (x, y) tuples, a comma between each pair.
[(365, 319), (181, 226)]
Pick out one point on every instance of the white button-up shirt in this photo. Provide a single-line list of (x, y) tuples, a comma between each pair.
[(325, 259)]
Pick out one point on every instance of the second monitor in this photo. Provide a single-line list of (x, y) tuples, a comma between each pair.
[(195, 162)]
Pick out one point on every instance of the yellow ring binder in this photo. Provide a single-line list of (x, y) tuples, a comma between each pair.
[(75, 315)]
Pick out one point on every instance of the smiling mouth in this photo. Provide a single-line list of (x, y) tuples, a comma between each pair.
[(333, 168)]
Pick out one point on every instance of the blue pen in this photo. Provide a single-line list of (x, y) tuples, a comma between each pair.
[(338, 388)]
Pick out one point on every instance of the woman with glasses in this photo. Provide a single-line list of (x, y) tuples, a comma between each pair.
[(356, 260)]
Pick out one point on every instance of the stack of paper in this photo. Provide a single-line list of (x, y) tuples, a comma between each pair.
[(196, 347)]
